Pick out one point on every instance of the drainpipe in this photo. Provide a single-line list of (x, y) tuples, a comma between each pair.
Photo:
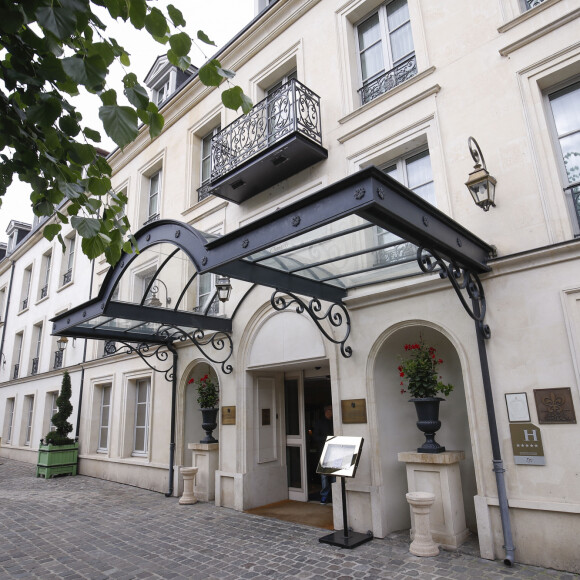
[(495, 447), (6, 313), (84, 360), (173, 398)]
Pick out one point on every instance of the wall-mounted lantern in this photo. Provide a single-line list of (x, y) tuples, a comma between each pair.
[(223, 287), (481, 184)]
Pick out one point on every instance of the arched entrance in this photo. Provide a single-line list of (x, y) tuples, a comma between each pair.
[(396, 421)]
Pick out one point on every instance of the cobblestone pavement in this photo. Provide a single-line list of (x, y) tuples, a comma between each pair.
[(80, 527)]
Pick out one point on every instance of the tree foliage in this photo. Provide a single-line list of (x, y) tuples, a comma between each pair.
[(52, 48), (60, 418)]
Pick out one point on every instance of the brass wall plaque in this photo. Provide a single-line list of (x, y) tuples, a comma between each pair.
[(228, 415), (555, 405), (266, 417), (527, 444), (354, 410)]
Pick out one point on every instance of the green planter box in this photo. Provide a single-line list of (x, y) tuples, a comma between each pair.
[(57, 460)]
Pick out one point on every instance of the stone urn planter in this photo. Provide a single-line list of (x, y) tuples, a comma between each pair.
[(209, 423), (428, 421)]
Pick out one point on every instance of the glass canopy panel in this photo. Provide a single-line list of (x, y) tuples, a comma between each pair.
[(93, 322), (162, 276), (346, 253)]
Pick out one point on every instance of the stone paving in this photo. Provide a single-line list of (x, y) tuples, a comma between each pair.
[(80, 527)]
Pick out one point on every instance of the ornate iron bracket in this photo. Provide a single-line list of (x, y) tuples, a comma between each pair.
[(461, 279), (145, 353), (219, 341), (313, 308)]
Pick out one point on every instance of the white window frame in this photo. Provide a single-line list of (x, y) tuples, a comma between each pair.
[(45, 275), (10, 406), (155, 177), (25, 298), (385, 39), (203, 180), (17, 358), (573, 83), (67, 267), (53, 410), (139, 384), (29, 418), (100, 447), (37, 346)]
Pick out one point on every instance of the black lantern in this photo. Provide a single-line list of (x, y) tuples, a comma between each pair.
[(481, 184), (62, 343), (223, 287)]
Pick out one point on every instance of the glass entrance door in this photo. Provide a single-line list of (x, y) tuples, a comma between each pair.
[(295, 437)]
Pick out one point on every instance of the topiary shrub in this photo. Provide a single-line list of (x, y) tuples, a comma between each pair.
[(60, 418)]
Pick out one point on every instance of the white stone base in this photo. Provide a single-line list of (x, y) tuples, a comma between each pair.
[(206, 459), (438, 473)]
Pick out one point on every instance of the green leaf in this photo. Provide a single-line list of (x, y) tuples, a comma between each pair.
[(69, 126), (45, 113), (120, 123), (201, 35), (137, 13), (89, 72), (109, 97), (99, 186), (93, 247), (209, 75), (94, 204), (124, 58), (234, 98), (156, 122), (137, 96), (43, 207), (81, 153), (180, 43), (155, 23), (51, 230), (59, 21), (92, 135), (182, 62), (102, 49), (175, 15), (70, 190), (224, 72), (86, 227)]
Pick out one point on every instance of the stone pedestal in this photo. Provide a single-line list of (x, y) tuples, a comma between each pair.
[(422, 544), (188, 496), (205, 456), (438, 473)]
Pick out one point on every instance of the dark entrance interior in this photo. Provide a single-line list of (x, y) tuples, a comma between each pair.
[(317, 395)]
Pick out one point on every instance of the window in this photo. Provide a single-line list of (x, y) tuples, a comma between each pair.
[(105, 417), (17, 354), (9, 422), (29, 406), (529, 4), (385, 49), (162, 93), (205, 172), (2, 303), (12, 242), (36, 345), (52, 410), (68, 262), (565, 107), (153, 198), (141, 438), (26, 276), (205, 291), (45, 275)]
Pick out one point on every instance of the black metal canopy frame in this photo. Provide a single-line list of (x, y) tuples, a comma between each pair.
[(362, 230)]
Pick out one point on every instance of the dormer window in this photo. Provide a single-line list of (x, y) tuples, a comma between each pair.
[(162, 93), (164, 79)]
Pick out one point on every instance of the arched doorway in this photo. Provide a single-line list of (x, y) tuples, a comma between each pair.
[(396, 420)]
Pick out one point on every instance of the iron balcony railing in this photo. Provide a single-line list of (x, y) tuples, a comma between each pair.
[(34, 369), (574, 191), (16, 368), (44, 291), (533, 3), (389, 80), (293, 108), (151, 219), (203, 192), (58, 359), (110, 348), (67, 277), (25, 304)]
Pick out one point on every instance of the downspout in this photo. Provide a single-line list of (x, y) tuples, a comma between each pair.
[(173, 399), (6, 313), (495, 446), (84, 360)]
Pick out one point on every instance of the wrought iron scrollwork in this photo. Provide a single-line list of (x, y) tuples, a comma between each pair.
[(336, 314), (389, 80), (146, 352), (462, 280)]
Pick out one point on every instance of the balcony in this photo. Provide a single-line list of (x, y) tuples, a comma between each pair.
[(58, 359), (44, 291), (388, 80), (16, 369), (532, 3), (67, 277), (278, 138), (573, 191), (34, 369)]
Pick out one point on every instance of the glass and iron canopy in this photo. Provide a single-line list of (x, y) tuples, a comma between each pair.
[(365, 229)]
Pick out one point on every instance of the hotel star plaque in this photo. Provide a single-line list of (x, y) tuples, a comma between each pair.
[(340, 458)]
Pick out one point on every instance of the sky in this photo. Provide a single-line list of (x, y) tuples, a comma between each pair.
[(219, 19)]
